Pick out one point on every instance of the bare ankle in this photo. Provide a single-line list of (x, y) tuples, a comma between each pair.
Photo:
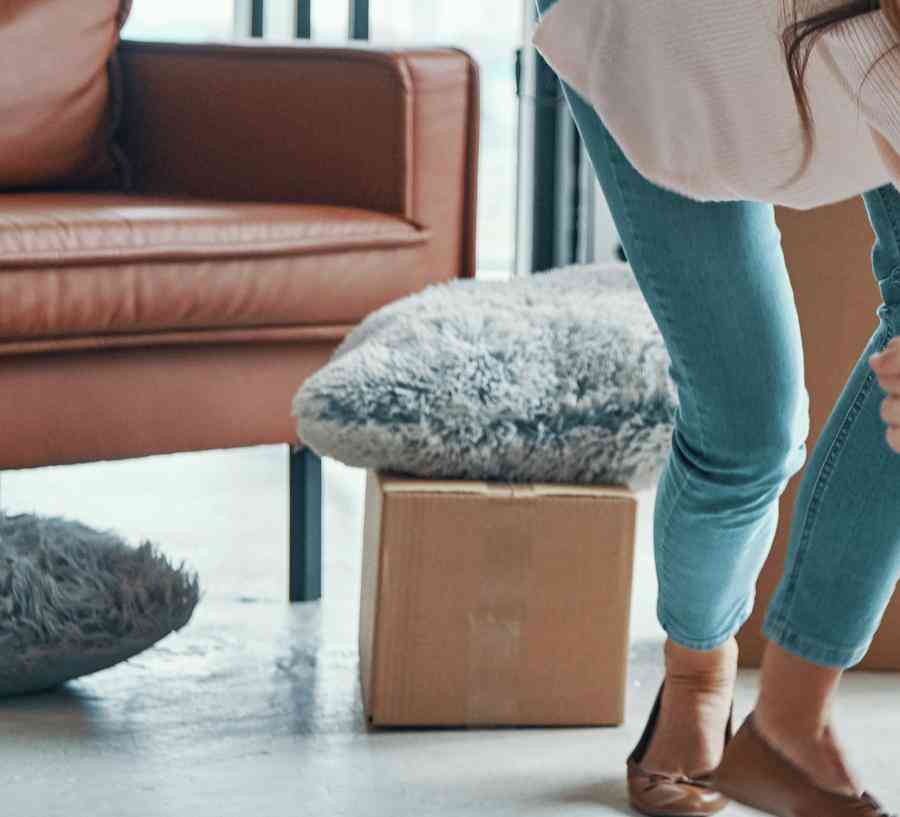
[(795, 696), (793, 713), (773, 719), (696, 701), (710, 669)]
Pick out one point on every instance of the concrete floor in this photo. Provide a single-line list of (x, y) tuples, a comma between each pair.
[(254, 707)]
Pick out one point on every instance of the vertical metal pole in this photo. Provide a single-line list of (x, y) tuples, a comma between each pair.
[(568, 189), (257, 15), (549, 202), (525, 85), (305, 525), (554, 223), (546, 135), (304, 19), (359, 20)]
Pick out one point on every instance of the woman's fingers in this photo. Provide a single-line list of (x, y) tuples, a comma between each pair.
[(887, 363), (890, 411), (890, 384), (893, 438), (886, 366), (890, 415)]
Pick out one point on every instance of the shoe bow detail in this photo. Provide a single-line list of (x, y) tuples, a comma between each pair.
[(655, 779)]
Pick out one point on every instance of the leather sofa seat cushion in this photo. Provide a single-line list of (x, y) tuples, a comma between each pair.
[(59, 93), (96, 264)]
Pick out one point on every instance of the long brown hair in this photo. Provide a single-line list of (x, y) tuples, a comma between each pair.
[(800, 37)]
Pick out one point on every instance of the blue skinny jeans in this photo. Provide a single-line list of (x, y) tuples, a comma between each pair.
[(715, 279)]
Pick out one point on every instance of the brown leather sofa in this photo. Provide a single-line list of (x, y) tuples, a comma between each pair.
[(281, 194)]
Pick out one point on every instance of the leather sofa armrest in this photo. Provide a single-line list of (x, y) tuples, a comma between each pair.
[(387, 129)]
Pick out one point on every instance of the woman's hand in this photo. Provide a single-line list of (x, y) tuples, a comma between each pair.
[(886, 366)]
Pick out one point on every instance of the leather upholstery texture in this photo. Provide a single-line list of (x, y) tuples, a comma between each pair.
[(143, 264), (394, 131), (281, 194)]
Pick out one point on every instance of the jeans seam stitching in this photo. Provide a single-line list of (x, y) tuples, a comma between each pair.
[(890, 214), (783, 631), (717, 639), (881, 192), (781, 617)]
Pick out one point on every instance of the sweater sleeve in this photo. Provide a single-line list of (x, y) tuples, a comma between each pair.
[(866, 56), (889, 156)]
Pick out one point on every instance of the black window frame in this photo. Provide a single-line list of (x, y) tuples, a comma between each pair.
[(360, 25)]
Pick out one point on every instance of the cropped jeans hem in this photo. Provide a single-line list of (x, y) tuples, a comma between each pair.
[(710, 643), (811, 649)]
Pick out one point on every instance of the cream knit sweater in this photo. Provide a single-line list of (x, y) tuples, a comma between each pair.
[(697, 94)]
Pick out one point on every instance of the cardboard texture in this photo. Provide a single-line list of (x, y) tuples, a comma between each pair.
[(494, 604), (828, 253)]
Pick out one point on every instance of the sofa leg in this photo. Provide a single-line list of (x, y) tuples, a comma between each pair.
[(305, 525)]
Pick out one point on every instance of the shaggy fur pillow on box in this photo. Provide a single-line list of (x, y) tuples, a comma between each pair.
[(74, 600), (559, 377)]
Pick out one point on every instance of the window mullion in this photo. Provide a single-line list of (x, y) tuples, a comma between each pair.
[(359, 20), (304, 19), (257, 16)]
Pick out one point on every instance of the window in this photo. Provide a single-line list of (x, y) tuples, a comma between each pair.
[(330, 20), (177, 20), (491, 33)]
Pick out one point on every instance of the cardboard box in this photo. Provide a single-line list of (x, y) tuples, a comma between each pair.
[(828, 253), (488, 604)]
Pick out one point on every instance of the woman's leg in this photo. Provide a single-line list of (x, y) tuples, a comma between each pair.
[(843, 556), (714, 277)]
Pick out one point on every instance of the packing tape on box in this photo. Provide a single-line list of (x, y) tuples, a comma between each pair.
[(504, 489), (496, 632)]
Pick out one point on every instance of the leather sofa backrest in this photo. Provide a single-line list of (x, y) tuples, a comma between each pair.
[(59, 94)]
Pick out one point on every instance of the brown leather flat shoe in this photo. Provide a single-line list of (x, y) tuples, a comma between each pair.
[(755, 773), (668, 795)]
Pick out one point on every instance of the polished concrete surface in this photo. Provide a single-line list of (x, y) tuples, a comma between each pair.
[(254, 707)]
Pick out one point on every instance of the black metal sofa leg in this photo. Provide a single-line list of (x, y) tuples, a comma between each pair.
[(305, 525)]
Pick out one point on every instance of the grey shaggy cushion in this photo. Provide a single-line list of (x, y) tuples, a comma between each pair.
[(74, 600), (559, 377)]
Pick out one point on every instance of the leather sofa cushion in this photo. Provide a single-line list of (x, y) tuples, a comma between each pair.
[(59, 93), (77, 265)]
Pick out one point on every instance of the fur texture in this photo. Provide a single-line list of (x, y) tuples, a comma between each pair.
[(559, 377), (74, 600)]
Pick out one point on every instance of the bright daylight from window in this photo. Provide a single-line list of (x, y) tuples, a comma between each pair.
[(491, 32)]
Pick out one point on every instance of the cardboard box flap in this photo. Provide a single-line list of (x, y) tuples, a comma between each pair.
[(397, 483)]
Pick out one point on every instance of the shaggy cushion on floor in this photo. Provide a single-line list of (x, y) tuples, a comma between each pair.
[(74, 600), (558, 377)]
